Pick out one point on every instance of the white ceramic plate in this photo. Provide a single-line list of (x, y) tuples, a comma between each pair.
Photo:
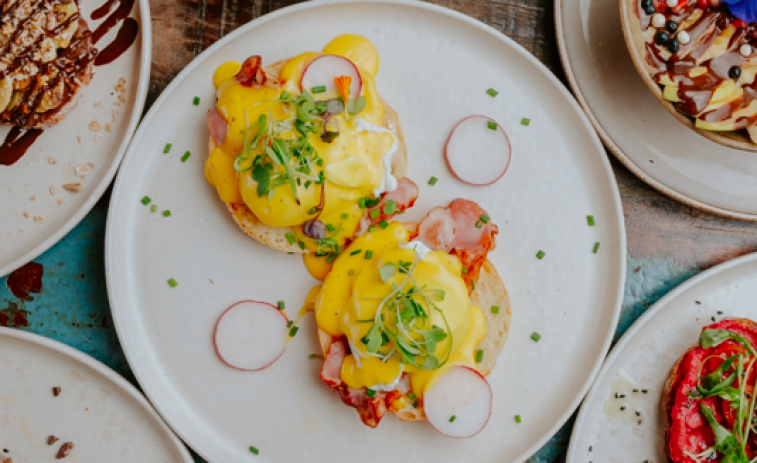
[(103, 415), (641, 133), (558, 176), (25, 187), (645, 355)]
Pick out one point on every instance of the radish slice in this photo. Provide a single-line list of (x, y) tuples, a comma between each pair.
[(217, 125), (322, 70), (477, 154), (461, 393), (251, 335)]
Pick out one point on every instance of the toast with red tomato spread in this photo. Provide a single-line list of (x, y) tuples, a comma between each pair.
[(708, 402)]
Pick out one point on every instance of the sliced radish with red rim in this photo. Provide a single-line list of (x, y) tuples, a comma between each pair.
[(251, 335), (459, 404), (322, 71), (478, 151)]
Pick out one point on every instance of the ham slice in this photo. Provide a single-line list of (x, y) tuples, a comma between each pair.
[(453, 229), (217, 125), (404, 196), (331, 372)]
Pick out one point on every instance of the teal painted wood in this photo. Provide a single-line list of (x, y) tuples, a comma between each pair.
[(72, 306)]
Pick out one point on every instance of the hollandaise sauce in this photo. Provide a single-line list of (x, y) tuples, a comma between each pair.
[(403, 309), (305, 161)]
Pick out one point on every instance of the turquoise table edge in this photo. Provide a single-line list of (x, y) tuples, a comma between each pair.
[(62, 295)]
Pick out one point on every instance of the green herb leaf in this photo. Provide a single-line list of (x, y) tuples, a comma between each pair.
[(386, 271), (725, 442), (390, 207), (357, 105), (263, 176)]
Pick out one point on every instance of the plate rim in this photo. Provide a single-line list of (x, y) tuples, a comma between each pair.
[(145, 64), (614, 148), (120, 185), (109, 374), (639, 325)]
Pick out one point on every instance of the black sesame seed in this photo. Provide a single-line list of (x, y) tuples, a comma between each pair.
[(698, 303), (661, 37), (639, 421), (645, 391), (5, 450), (720, 312), (638, 413), (673, 45), (713, 318), (591, 448), (734, 72), (616, 395), (671, 26), (635, 390), (622, 408), (622, 396)]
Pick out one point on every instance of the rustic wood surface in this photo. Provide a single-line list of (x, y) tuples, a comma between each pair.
[(657, 226)]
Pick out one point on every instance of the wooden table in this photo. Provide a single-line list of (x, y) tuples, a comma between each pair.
[(667, 241)]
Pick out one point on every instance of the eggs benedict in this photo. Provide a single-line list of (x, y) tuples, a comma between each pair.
[(304, 151), (406, 304)]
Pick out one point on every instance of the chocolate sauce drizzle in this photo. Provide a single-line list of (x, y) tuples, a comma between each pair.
[(695, 93), (16, 144)]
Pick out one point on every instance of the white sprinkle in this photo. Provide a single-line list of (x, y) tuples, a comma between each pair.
[(658, 20), (745, 50), (683, 37), (672, 3)]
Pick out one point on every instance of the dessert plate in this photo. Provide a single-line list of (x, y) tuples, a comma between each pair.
[(643, 358), (35, 209), (641, 133), (559, 174), (96, 410)]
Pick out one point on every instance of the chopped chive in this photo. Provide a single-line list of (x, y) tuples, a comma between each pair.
[(281, 305), (495, 309), (473, 285), (329, 227), (368, 254), (390, 207), (356, 251), (345, 216), (590, 220), (479, 355), (596, 247), (308, 183), (492, 92), (254, 450), (146, 200), (331, 258), (411, 395), (293, 330), (172, 283), (465, 270), (372, 228), (291, 238), (452, 418), (383, 224), (167, 213), (485, 218), (351, 272), (167, 149), (186, 156), (313, 210), (196, 100), (290, 253), (492, 125), (540, 255), (361, 203), (312, 356), (284, 95), (290, 323), (432, 181), (525, 121), (370, 393), (301, 245), (415, 404), (318, 89), (374, 213), (517, 418), (154, 208), (535, 336), (479, 224)]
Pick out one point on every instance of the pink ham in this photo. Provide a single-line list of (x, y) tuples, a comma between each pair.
[(217, 125), (453, 229), (404, 196), (331, 372)]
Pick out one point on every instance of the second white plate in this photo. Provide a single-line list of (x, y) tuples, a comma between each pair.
[(645, 355), (436, 66), (641, 133)]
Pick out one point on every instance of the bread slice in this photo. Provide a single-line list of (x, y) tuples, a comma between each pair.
[(490, 291), (275, 237), (674, 379)]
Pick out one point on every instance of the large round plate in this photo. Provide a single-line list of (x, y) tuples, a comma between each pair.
[(97, 410), (436, 67), (639, 131), (25, 187), (645, 355)]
